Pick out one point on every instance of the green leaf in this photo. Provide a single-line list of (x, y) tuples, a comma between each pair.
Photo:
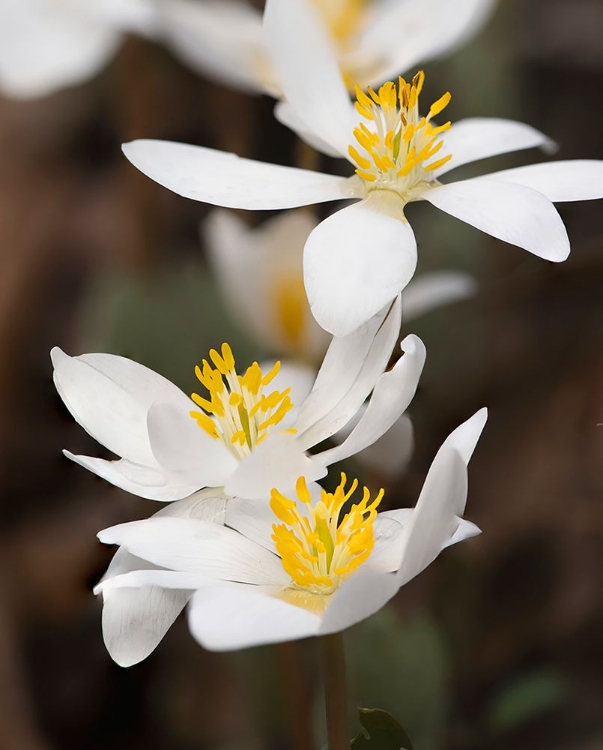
[(381, 732)]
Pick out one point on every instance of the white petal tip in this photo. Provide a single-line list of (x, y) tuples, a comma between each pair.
[(412, 344), (57, 355)]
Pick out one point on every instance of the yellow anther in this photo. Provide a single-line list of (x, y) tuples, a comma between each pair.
[(360, 160), (206, 423), (440, 105), (437, 164)]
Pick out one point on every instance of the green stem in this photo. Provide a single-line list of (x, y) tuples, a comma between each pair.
[(295, 693), (336, 702)]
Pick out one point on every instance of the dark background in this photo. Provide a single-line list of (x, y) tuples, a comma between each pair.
[(499, 644)]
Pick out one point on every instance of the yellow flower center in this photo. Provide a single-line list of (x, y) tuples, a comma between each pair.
[(291, 306), (238, 412), (395, 151), (344, 18), (317, 549)]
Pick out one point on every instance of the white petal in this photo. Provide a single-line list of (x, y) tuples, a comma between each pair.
[(403, 35), (181, 446), (298, 378), (578, 180), (339, 371), (357, 261), (277, 462), (510, 212), (391, 396), (225, 618), (481, 137), (308, 71), (442, 500), (290, 118), (465, 530), (351, 391), (45, 47), (388, 531), (220, 39), (152, 484), (191, 546), (109, 396), (224, 179), (358, 598), (432, 290), (136, 619), (389, 456)]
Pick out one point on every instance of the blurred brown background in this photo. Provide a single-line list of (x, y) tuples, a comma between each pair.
[(499, 644)]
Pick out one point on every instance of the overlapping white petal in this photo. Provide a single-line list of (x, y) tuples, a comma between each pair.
[(226, 613), (46, 45), (166, 455)]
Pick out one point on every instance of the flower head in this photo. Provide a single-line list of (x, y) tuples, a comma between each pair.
[(310, 563), (248, 432)]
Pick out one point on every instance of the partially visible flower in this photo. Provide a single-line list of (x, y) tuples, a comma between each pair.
[(259, 271), (361, 257), (245, 434), (373, 39), (300, 567), (46, 45)]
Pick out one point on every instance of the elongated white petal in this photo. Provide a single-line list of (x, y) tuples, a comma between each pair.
[(226, 618), (221, 39), (391, 397), (357, 261), (290, 118), (481, 137), (152, 484), (109, 396), (192, 546), (136, 618), (276, 462), (224, 179), (308, 71), (180, 445), (45, 47), (442, 500), (402, 35), (351, 398), (513, 213), (359, 597), (465, 530), (340, 368), (578, 180), (432, 290)]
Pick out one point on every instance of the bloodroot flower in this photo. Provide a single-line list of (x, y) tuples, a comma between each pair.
[(245, 433), (310, 563)]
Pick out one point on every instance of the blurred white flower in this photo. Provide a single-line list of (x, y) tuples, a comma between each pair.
[(296, 569), (372, 39), (259, 272), (246, 435), (362, 256), (46, 45)]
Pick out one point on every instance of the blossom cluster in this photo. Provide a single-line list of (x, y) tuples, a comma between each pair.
[(248, 538)]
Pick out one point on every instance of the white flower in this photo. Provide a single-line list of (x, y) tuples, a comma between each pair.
[(296, 569), (245, 435), (373, 39), (259, 272), (364, 255), (46, 45)]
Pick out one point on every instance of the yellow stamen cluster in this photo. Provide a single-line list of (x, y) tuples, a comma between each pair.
[(241, 414), (317, 549), (396, 151)]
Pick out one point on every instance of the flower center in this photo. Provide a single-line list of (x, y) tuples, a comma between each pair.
[(291, 306), (238, 412), (395, 152), (343, 17), (318, 550)]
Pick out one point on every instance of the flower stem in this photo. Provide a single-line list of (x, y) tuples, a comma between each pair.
[(336, 703), (291, 665)]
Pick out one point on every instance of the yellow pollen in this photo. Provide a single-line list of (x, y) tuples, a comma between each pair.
[(318, 547), (344, 18), (394, 150), (238, 412)]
